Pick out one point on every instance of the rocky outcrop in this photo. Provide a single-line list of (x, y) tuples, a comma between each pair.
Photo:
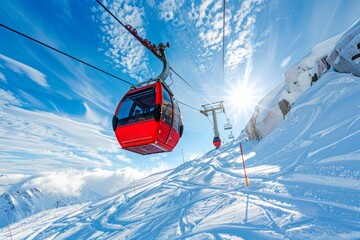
[(342, 52)]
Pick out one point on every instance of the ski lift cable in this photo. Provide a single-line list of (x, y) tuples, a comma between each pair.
[(64, 53), (223, 52), (144, 43), (76, 59), (188, 106), (210, 121)]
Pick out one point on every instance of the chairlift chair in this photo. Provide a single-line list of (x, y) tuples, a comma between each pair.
[(227, 125)]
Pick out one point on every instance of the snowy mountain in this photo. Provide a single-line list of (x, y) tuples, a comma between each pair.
[(304, 183), (18, 202)]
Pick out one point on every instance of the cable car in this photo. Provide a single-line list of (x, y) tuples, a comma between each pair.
[(147, 120), (217, 142), (231, 136)]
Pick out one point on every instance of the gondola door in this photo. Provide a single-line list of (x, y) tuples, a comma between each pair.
[(166, 120)]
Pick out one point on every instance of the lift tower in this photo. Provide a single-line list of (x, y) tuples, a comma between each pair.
[(213, 108)]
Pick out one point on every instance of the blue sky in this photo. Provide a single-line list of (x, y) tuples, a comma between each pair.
[(55, 113)]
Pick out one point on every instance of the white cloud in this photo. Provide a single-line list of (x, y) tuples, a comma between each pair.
[(169, 11), (67, 183), (20, 68), (285, 61), (33, 101), (2, 77), (71, 181), (124, 50), (208, 19), (91, 115), (243, 44), (239, 30), (6, 98), (12, 178)]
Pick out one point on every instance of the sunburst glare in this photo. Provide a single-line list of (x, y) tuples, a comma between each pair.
[(243, 98)]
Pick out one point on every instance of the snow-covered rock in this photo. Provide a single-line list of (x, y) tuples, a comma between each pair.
[(345, 57), (266, 117), (272, 110)]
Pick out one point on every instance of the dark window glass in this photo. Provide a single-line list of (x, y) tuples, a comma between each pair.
[(166, 108), (216, 139), (138, 106), (177, 117)]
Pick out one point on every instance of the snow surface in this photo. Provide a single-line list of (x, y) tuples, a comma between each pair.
[(304, 182)]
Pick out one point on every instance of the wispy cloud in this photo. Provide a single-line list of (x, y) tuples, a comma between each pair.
[(2, 77), (285, 61), (242, 44), (239, 31), (208, 19), (31, 99), (7, 98), (20, 68), (170, 11), (51, 141), (122, 48)]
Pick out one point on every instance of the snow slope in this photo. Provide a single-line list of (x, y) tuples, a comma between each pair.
[(304, 184)]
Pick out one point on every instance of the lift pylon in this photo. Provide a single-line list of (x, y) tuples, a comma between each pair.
[(213, 108)]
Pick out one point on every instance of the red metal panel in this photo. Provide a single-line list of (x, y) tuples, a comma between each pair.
[(163, 131), (174, 138), (217, 142), (139, 133), (149, 136)]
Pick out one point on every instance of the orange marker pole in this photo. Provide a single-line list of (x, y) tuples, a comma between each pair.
[(7, 222), (243, 162)]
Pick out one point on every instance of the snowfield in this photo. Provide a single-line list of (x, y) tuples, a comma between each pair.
[(304, 183)]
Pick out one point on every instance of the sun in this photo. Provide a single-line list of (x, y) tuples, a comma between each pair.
[(243, 97)]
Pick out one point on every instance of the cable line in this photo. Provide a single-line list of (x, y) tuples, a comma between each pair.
[(188, 106), (181, 78), (66, 54), (223, 52), (133, 32), (81, 61), (145, 43)]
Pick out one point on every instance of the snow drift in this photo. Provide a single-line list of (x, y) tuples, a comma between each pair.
[(304, 184)]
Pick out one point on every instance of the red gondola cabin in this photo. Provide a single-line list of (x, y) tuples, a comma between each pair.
[(148, 120), (217, 142)]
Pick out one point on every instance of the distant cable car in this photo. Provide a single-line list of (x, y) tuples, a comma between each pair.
[(217, 142), (147, 119), (231, 136)]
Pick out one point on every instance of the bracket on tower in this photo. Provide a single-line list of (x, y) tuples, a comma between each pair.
[(216, 107)]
